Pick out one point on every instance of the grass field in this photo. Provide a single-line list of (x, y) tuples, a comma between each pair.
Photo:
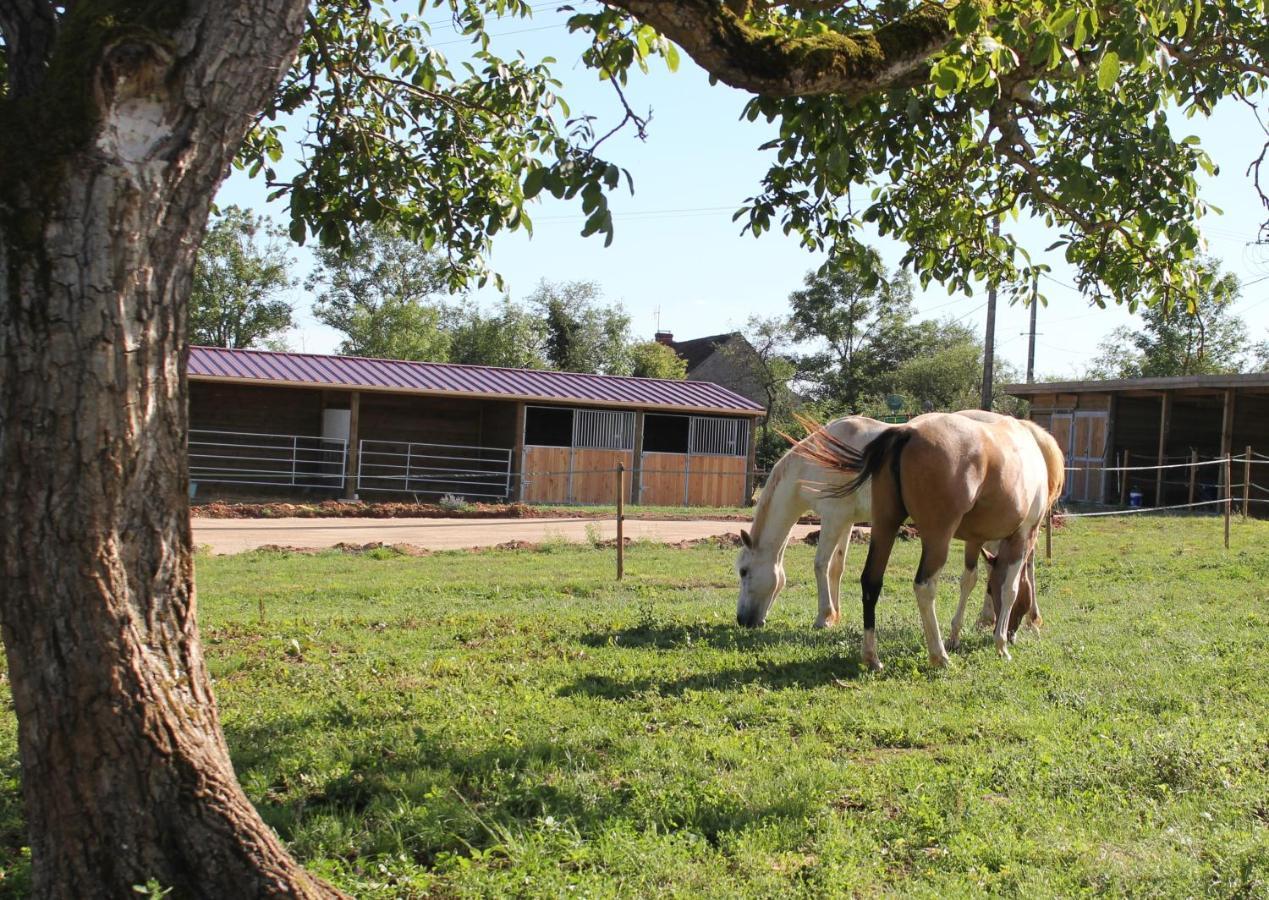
[(516, 723)]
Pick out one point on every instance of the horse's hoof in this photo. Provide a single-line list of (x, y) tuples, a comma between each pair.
[(939, 661), (1013, 637), (953, 642), (985, 624), (1002, 647), (875, 665)]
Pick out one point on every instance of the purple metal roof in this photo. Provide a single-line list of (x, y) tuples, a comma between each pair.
[(262, 366)]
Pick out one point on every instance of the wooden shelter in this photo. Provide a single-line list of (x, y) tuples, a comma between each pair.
[(350, 426), (1154, 422)]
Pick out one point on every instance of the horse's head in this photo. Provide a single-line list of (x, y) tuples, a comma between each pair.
[(761, 578)]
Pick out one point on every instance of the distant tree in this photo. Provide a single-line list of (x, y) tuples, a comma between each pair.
[(1208, 338), (583, 334), (652, 359), (766, 353), (382, 293), (510, 336), (857, 324), (241, 269)]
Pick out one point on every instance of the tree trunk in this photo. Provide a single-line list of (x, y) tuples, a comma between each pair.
[(126, 777)]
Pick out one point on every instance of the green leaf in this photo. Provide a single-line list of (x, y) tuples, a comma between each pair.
[(533, 182), (1108, 70), (671, 57)]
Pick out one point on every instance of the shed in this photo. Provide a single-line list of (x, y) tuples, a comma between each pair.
[(1156, 421), (353, 426)]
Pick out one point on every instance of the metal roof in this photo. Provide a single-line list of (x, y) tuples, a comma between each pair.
[(448, 379), (1117, 385)]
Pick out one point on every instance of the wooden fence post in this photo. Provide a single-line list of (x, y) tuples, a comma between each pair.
[(1246, 481), (1193, 473), (1123, 481), (1048, 535), (1229, 497), (621, 516)]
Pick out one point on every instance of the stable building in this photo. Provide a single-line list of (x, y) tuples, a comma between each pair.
[(1154, 422), (341, 426)]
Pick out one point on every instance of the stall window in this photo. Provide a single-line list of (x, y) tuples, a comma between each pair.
[(548, 426)]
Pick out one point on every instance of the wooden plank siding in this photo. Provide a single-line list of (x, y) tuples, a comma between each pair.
[(716, 480), (594, 475), (546, 474), (663, 478)]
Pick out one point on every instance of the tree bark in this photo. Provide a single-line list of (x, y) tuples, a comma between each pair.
[(773, 63), (126, 776)]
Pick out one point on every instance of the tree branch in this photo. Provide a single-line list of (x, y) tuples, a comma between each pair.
[(774, 63)]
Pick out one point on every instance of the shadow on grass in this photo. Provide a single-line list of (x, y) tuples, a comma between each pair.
[(775, 676), (413, 791), (718, 635)]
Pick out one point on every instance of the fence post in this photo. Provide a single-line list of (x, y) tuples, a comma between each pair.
[(621, 514), (1048, 535), (1229, 497), (1246, 481), (1123, 481), (1193, 473)]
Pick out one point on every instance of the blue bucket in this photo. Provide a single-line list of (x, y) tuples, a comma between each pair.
[(1134, 498)]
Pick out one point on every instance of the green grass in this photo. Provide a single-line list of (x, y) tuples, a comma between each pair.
[(516, 723)]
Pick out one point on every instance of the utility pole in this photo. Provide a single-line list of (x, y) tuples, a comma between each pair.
[(989, 344), (1035, 301)]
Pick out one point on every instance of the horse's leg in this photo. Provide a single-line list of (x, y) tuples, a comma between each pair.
[(1006, 577), (835, 567), (826, 581), (987, 616), (879, 547), (1034, 619), (1025, 605), (969, 578), (934, 547)]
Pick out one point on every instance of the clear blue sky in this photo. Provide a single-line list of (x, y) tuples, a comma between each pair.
[(677, 250)]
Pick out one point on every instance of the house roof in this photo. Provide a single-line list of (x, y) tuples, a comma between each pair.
[(448, 379), (697, 350), (1256, 380)]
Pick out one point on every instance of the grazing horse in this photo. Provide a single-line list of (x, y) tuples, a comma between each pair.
[(976, 476), (798, 484)]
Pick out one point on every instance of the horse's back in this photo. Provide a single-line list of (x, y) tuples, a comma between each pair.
[(983, 470)]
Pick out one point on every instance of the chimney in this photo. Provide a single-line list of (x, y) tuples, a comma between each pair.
[(664, 337)]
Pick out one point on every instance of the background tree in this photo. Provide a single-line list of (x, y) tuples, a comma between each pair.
[(510, 336), (652, 359), (857, 323), (382, 291), (766, 353), (119, 119), (945, 371), (240, 270), (582, 333), (1207, 339)]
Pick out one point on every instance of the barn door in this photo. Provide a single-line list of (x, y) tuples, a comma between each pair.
[(1088, 453)]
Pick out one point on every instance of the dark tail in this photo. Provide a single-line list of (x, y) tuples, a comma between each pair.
[(825, 450)]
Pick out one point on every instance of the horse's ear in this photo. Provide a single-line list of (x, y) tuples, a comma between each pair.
[(746, 539)]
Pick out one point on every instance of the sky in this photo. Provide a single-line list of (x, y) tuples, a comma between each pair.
[(678, 260)]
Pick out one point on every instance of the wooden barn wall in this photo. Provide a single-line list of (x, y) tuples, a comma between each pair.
[(255, 408), (422, 420), (663, 479), (546, 475), (1251, 424), (1196, 425), (498, 424), (716, 480), (595, 477)]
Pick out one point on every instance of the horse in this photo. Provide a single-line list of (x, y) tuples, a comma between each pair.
[(798, 484), (976, 476)]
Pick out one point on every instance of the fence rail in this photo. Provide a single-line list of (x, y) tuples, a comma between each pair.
[(273, 460), (414, 468)]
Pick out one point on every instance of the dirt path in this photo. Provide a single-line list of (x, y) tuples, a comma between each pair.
[(237, 535)]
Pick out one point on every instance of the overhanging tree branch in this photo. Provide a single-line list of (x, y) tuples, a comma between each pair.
[(776, 63)]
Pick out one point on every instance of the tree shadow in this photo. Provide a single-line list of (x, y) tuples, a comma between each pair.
[(718, 635), (472, 799)]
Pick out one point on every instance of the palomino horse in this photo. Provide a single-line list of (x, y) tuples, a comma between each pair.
[(976, 476), (798, 484)]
